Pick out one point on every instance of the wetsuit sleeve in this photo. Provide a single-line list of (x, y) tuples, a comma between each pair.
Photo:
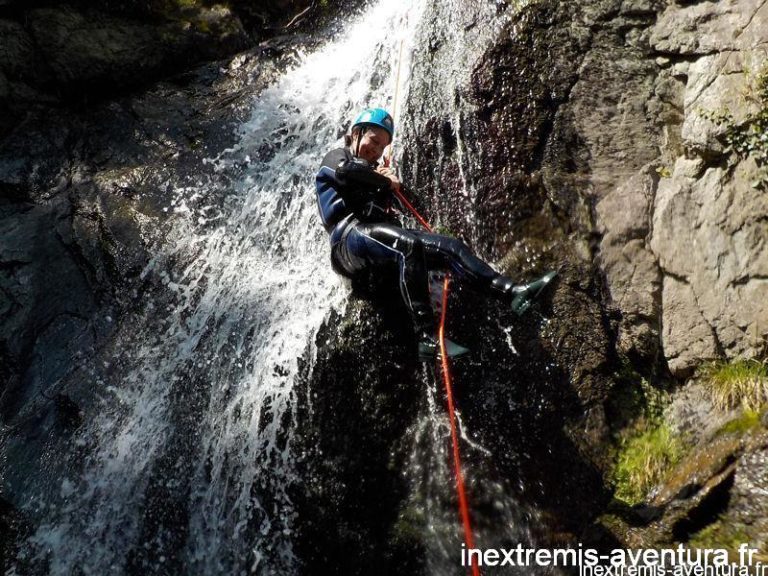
[(346, 185), (352, 180), (329, 199), (359, 175)]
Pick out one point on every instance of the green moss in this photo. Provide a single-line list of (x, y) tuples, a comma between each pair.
[(738, 383), (749, 420), (174, 9), (723, 535), (750, 137), (643, 461), (634, 402), (645, 447), (664, 172)]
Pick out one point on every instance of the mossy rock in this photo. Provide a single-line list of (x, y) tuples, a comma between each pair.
[(749, 421), (697, 467), (722, 535), (643, 461)]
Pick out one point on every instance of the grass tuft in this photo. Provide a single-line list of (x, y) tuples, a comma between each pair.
[(643, 461), (741, 383)]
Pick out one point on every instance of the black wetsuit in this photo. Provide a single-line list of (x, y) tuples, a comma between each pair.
[(356, 208)]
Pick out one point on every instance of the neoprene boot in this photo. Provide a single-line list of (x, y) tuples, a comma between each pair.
[(522, 296), (429, 347)]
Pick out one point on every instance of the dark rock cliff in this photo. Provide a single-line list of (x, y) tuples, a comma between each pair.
[(75, 53)]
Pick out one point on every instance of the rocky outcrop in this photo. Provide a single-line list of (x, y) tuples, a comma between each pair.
[(708, 219), (10, 530), (714, 498), (81, 52), (680, 220), (69, 53)]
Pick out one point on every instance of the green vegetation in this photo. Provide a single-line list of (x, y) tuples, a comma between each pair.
[(749, 420), (664, 172), (720, 534), (410, 525), (749, 137), (645, 445), (643, 461), (203, 26), (187, 3), (739, 383), (634, 402)]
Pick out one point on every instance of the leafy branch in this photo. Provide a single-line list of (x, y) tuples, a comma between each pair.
[(749, 137)]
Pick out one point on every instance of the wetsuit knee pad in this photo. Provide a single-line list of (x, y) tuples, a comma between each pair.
[(413, 246)]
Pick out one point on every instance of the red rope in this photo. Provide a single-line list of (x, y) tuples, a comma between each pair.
[(463, 505), (408, 205)]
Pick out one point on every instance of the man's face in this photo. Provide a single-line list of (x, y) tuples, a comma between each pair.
[(372, 143)]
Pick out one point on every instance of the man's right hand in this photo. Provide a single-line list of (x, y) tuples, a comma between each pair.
[(358, 173), (394, 181)]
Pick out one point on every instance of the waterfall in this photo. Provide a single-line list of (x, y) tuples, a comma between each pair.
[(183, 462)]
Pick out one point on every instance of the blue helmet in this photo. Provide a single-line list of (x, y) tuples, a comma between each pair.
[(376, 117)]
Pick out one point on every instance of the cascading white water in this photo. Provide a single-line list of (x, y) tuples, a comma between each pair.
[(251, 284)]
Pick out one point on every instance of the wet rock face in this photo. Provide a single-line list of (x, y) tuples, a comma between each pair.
[(42, 270), (749, 504), (83, 200), (354, 428), (498, 164)]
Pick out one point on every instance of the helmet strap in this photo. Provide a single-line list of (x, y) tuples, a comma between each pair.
[(360, 134)]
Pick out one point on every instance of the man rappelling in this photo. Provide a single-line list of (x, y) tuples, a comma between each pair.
[(356, 198)]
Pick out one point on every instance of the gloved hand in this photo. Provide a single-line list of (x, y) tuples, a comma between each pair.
[(363, 182), (389, 172)]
